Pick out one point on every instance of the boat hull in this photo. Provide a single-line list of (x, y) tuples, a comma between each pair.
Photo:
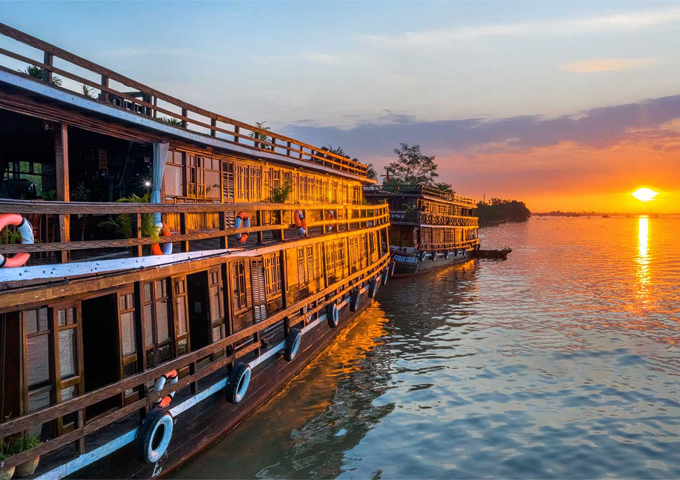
[(211, 418), (407, 265)]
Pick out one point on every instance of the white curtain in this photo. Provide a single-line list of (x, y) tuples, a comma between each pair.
[(160, 154)]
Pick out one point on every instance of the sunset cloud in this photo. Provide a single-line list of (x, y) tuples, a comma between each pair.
[(550, 162), (624, 22), (608, 65)]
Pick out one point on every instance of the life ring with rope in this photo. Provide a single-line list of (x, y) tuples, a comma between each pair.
[(330, 215), (242, 221), (165, 248), (300, 223), (25, 230)]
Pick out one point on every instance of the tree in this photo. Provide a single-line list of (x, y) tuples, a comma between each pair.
[(39, 73), (500, 211), (414, 168), (89, 92), (370, 172), (337, 150), (261, 136)]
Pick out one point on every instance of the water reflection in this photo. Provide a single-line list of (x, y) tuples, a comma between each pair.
[(643, 260), (543, 366)]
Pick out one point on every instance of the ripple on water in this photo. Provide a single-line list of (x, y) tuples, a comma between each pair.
[(561, 362)]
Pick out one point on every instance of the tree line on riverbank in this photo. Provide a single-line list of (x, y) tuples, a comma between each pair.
[(499, 210)]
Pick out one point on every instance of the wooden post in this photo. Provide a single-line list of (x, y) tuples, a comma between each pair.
[(63, 194), (260, 234), (184, 114), (48, 59), (237, 130), (184, 245), (138, 231), (288, 148), (105, 95), (224, 240), (213, 124)]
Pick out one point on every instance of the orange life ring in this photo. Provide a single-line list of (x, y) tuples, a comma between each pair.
[(241, 221), (166, 248), (171, 377), (330, 216), (25, 230), (301, 223)]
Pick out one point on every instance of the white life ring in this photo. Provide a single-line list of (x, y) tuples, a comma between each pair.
[(25, 230)]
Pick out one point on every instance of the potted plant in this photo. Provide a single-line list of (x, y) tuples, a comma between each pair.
[(279, 194), (5, 473), (21, 444), (123, 224)]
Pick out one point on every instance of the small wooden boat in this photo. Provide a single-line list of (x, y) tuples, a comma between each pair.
[(496, 254)]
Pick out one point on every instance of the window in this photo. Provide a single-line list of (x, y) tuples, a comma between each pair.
[(157, 340), (259, 297), (303, 279), (38, 353), (174, 176), (248, 183), (128, 336), (272, 275), (52, 357), (195, 177), (216, 296), (180, 303), (240, 284)]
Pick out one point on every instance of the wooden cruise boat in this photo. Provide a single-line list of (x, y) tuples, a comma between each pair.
[(132, 333), (429, 228)]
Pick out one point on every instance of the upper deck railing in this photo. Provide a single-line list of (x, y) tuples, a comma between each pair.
[(323, 219), (423, 190), (113, 89), (419, 218)]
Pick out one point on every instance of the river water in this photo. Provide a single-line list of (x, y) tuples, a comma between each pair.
[(561, 362)]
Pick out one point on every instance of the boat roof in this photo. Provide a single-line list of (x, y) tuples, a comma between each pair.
[(420, 191), (150, 110)]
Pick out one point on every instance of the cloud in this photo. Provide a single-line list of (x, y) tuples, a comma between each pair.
[(608, 65), (149, 51), (321, 58), (596, 128), (602, 24)]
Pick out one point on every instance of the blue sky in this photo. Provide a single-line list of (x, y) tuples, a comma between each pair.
[(372, 74)]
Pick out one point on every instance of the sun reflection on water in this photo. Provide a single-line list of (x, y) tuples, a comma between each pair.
[(643, 260)]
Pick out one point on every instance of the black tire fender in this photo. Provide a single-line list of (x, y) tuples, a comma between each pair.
[(292, 345), (332, 314), (157, 422), (238, 383)]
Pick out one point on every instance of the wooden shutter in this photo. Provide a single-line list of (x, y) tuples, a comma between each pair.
[(259, 297)]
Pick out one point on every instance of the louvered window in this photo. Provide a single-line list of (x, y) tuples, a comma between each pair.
[(259, 297)]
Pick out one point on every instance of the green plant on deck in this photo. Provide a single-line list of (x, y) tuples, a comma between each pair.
[(261, 136), (17, 445), (49, 195), (10, 236), (171, 121), (39, 73), (281, 193), (89, 92), (124, 223)]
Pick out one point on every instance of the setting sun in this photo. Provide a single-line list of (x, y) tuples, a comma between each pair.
[(644, 194)]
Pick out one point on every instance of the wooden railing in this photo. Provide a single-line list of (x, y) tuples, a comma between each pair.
[(418, 218), (447, 247), (422, 190), (346, 217), (78, 404), (149, 102)]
